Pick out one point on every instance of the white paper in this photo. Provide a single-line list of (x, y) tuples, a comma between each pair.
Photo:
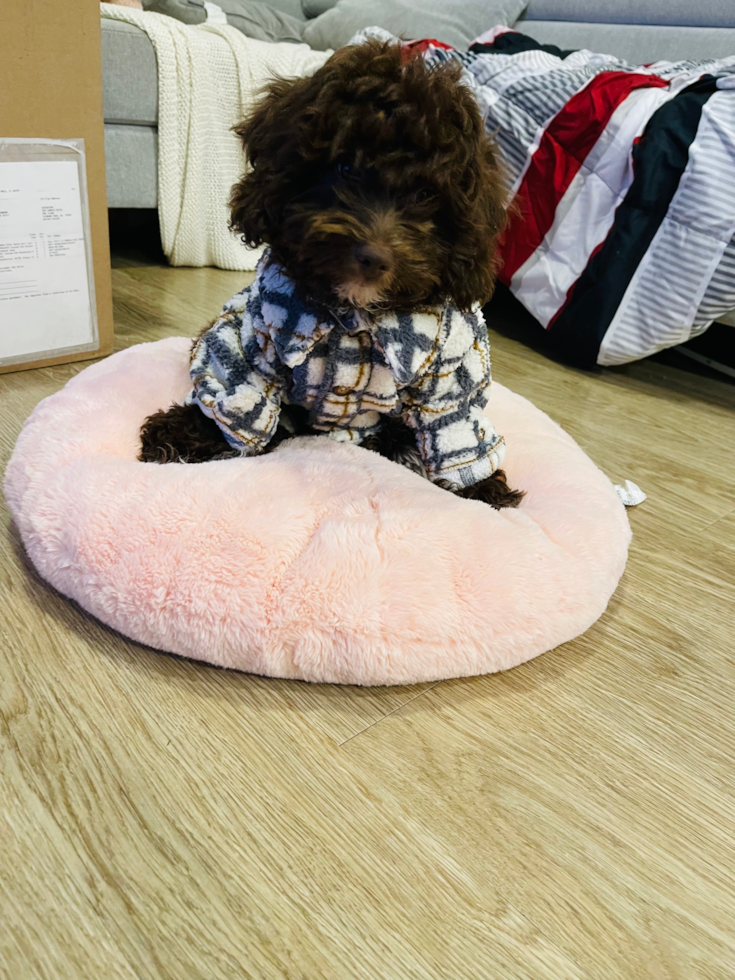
[(630, 493), (45, 302)]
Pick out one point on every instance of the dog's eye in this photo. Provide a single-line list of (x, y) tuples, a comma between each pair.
[(345, 170), (424, 195)]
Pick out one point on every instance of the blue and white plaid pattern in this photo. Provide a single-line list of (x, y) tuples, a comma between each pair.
[(432, 369)]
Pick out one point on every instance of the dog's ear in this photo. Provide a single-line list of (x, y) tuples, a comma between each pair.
[(269, 137), (476, 192)]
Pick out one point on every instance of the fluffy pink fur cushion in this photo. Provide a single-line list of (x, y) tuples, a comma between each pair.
[(320, 561)]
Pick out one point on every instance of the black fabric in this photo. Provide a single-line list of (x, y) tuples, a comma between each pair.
[(659, 159), (511, 42), (716, 348)]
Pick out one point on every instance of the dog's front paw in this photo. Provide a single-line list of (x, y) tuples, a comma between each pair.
[(494, 491)]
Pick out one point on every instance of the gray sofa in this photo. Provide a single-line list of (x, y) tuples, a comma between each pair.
[(640, 31)]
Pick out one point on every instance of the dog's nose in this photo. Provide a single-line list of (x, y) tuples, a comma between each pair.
[(373, 261)]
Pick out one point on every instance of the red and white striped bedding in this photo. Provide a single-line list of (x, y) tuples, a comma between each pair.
[(622, 235)]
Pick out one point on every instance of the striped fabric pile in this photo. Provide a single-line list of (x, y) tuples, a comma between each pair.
[(622, 235)]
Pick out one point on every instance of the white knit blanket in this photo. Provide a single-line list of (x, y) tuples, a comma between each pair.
[(208, 78)]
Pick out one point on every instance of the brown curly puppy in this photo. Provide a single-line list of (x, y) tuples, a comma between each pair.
[(376, 188)]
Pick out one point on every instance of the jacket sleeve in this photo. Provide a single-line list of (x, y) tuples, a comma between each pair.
[(445, 405), (235, 385)]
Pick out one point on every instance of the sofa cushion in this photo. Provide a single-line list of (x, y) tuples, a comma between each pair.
[(261, 21), (672, 13), (290, 7), (129, 75), (312, 8), (638, 45), (187, 11), (456, 22)]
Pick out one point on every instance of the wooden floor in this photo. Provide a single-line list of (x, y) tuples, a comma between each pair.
[(573, 818)]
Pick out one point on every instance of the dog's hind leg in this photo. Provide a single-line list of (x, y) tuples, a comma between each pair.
[(397, 441), (182, 434)]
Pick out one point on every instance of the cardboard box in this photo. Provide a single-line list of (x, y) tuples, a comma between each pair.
[(51, 84)]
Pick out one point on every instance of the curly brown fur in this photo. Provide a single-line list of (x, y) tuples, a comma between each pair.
[(375, 186), (373, 180), (494, 491), (397, 441), (184, 434)]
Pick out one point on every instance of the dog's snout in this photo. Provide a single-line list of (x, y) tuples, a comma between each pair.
[(373, 261)]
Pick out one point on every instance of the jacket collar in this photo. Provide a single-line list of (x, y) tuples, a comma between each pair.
[(295, 327)]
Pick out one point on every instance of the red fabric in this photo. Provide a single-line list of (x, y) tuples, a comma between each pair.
[(411, 48), (568, 139)]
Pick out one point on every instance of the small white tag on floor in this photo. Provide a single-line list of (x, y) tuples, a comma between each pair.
[(630, 493)]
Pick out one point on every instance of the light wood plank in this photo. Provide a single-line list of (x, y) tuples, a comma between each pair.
[(596, 787), (167, 820)]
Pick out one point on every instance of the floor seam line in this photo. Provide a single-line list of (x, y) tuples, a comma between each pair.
[(717, 519), (399, 708)]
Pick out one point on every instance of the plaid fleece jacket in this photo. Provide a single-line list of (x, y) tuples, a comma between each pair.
[(432, 369)]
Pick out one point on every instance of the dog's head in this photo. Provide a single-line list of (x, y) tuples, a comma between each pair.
[(373, 182)]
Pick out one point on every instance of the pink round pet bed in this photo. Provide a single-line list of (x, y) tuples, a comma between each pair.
[(320, 561)]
